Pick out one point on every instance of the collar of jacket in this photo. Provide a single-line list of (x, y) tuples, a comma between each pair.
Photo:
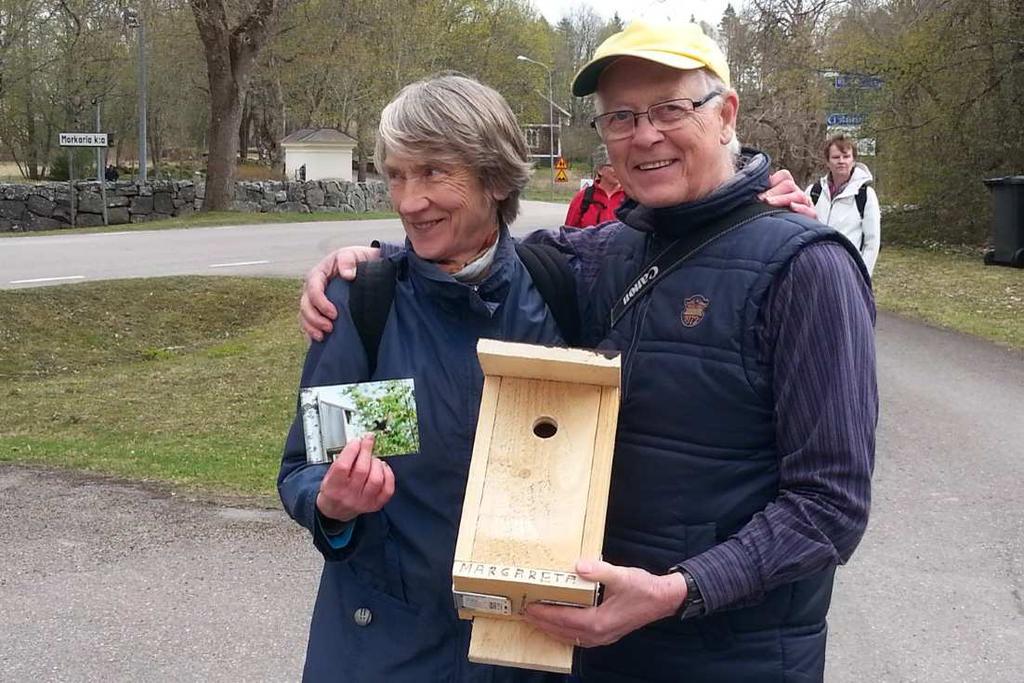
[(484, 297), (598, 188), (750, 180), (861, 175)]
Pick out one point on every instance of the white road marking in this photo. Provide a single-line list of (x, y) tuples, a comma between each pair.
[(47, 279), (239, 263)]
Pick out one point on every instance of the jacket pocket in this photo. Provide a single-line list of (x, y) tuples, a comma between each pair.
[(359, 629), (378, 565)]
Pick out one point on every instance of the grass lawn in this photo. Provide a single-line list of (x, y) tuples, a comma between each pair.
[(217, 218), (191, 381), (953, 289), (541, 189)]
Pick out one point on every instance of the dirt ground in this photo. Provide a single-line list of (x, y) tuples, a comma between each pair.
[(100, 580)]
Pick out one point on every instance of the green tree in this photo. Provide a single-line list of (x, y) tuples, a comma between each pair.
[(951, 111), (56, 59), (391, 416), (349, 59)]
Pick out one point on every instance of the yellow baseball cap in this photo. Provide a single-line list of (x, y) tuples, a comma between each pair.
[(680, 46)]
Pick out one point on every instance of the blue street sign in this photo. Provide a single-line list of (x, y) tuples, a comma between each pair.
[(838, 119), (858, 81)]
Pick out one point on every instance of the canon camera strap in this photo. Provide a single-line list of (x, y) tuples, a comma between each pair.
[(683, 248)]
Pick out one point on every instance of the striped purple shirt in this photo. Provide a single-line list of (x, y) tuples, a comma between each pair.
[(817, 335)]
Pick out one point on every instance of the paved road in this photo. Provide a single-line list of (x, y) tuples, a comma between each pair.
[(106, 581), (101, 581), (936, 592), (280, 249)]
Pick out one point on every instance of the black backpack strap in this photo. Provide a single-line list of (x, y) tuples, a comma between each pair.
[(588, 199), (862, 199), (554, 279), (815, 191), (369, 301)]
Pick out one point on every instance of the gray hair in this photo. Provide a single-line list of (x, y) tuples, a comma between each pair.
[(454, 119), (713, 82)]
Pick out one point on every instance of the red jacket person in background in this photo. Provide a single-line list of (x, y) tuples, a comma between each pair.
[(596, 203)]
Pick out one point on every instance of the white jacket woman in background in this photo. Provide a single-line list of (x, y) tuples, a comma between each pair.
[(845, 200)]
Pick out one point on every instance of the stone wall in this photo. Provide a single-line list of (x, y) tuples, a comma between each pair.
[(47, 206), (312, 196)]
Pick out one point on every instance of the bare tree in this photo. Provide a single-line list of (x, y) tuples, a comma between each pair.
[(232, 46), (775, 53)]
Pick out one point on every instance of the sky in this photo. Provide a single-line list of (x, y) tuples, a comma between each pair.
[(659, 10)]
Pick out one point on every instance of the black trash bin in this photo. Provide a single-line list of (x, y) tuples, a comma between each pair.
[(1007, 221)]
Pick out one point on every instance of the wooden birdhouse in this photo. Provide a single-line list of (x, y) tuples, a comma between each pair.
[(536, 496)]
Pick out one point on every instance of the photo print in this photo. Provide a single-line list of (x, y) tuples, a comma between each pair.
[(334, 415)]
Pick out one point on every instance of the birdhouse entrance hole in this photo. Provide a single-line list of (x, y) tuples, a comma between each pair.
[(545, 427)]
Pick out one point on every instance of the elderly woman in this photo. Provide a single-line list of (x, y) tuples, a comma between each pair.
[(456, 162)]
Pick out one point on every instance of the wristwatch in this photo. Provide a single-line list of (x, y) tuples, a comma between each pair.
[(693, 603)]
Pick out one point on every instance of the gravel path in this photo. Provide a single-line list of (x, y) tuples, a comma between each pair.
[(100, 580)]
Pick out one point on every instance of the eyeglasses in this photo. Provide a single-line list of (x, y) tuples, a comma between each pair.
[(619, 125)]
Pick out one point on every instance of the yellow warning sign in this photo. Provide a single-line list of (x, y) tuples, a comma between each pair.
[(561, 164), (560, 176)]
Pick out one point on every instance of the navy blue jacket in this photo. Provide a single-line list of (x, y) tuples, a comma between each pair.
[(398, 563), (696, 457)]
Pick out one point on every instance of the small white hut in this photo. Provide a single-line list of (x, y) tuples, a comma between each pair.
[(319, 154)]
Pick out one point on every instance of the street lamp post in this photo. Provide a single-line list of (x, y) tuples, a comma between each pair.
[(101, 164), (133, 19), (551, 115)]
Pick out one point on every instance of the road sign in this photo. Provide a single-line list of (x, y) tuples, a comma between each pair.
[(561, 177), (561, 164), (840, 119), (859, 81), (83, 139)]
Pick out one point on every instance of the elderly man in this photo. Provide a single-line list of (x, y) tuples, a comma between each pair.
[(746, 433)]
